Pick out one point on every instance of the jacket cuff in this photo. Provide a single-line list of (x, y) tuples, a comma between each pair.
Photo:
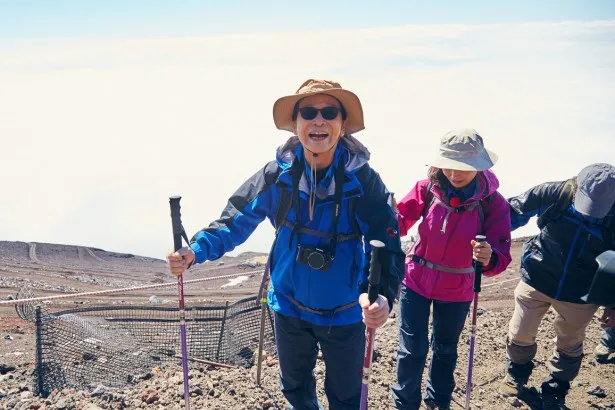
[(199, 254)]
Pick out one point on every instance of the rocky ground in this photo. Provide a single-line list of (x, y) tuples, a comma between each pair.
[(54, 269)]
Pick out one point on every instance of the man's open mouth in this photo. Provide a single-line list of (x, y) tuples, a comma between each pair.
[(318, 136)]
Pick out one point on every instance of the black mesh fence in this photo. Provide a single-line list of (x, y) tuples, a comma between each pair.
[(114, 346)]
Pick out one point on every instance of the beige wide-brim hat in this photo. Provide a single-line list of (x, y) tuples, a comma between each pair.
[(463, 150), (284, 106)]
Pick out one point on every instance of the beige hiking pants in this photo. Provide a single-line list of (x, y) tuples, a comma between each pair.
[(570, 323)]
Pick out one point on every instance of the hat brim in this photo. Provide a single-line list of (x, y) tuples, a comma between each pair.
[(585, 205), (283, 109), (477, 163)]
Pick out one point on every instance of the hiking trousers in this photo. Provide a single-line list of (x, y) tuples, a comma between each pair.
[(343, 348), (570, 323), (448, 321)]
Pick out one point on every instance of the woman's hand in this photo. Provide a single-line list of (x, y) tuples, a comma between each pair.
[(180, 260), (481, 252), (376, 314)]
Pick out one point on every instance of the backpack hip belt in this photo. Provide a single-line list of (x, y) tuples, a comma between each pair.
[(322, 312), (442, 268)]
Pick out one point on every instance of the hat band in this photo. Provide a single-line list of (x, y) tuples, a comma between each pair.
[(460, 154), (316, 89)]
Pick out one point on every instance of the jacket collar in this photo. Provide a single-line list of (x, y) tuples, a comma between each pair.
[(349, 150)]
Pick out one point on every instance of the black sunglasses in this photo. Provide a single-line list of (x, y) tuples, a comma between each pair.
[(328, 113)]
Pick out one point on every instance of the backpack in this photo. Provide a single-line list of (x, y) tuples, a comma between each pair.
[(430, 198), (566, 196)]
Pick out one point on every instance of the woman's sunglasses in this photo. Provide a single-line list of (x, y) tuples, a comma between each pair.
[(328, 113)]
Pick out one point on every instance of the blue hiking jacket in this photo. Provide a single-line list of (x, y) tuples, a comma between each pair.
[(259, 197)]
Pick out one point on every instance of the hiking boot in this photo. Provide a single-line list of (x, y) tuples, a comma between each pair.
[(553, 402), (509, 387), (430, 405), (602, 352), (554, 393)]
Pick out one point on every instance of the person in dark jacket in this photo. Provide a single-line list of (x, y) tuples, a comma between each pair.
[(557, 269), (326, 204)]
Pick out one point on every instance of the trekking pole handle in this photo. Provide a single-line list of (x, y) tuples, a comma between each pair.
[(374, 271), (176, 220), (478, 267)]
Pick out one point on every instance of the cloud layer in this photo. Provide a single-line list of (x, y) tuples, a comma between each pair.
[(97, 134)]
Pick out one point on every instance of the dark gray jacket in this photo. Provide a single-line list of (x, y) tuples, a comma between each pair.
[(561, 260)]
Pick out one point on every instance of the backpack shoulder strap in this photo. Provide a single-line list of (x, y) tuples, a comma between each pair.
[(429, 198), (286, 200), (557, 209), (485, 202), (566, 197), (481, 214), (352, 203), (286, 196)]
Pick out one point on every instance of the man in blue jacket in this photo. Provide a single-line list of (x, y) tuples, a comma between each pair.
[(326, 204), (558, 265)]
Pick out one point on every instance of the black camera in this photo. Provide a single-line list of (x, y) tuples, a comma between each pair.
[(315, 258)]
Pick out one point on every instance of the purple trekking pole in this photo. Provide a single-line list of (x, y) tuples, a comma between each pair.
[(372, 294), (178, 232), (478, 268)]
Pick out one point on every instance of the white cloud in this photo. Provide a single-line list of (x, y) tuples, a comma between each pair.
[(97, 134)]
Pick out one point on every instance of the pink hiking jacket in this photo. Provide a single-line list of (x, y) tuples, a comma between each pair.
[(444, 238)]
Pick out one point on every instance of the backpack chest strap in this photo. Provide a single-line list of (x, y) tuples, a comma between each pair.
[(326, 235), (430, 199)]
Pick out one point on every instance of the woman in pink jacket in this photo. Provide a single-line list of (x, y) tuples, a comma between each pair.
[(458, 201)]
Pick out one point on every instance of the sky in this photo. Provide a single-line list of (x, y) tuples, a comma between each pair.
[(108, 108)]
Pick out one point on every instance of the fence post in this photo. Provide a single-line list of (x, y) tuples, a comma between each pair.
[(40, 367), (221, 331)]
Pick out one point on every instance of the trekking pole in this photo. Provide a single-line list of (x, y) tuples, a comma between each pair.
[(178, 231), (478, 268), (372, 294)]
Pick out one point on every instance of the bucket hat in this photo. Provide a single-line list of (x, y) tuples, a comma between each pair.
[(463, 150), (284, 106)]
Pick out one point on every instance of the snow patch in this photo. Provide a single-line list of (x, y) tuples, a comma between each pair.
[(235, 281)]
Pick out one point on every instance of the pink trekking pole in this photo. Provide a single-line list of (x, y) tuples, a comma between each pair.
[(478, 268), (178, 231), (372, 294)]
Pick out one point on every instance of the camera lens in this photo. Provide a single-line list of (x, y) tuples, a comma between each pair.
[(316, 260)]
